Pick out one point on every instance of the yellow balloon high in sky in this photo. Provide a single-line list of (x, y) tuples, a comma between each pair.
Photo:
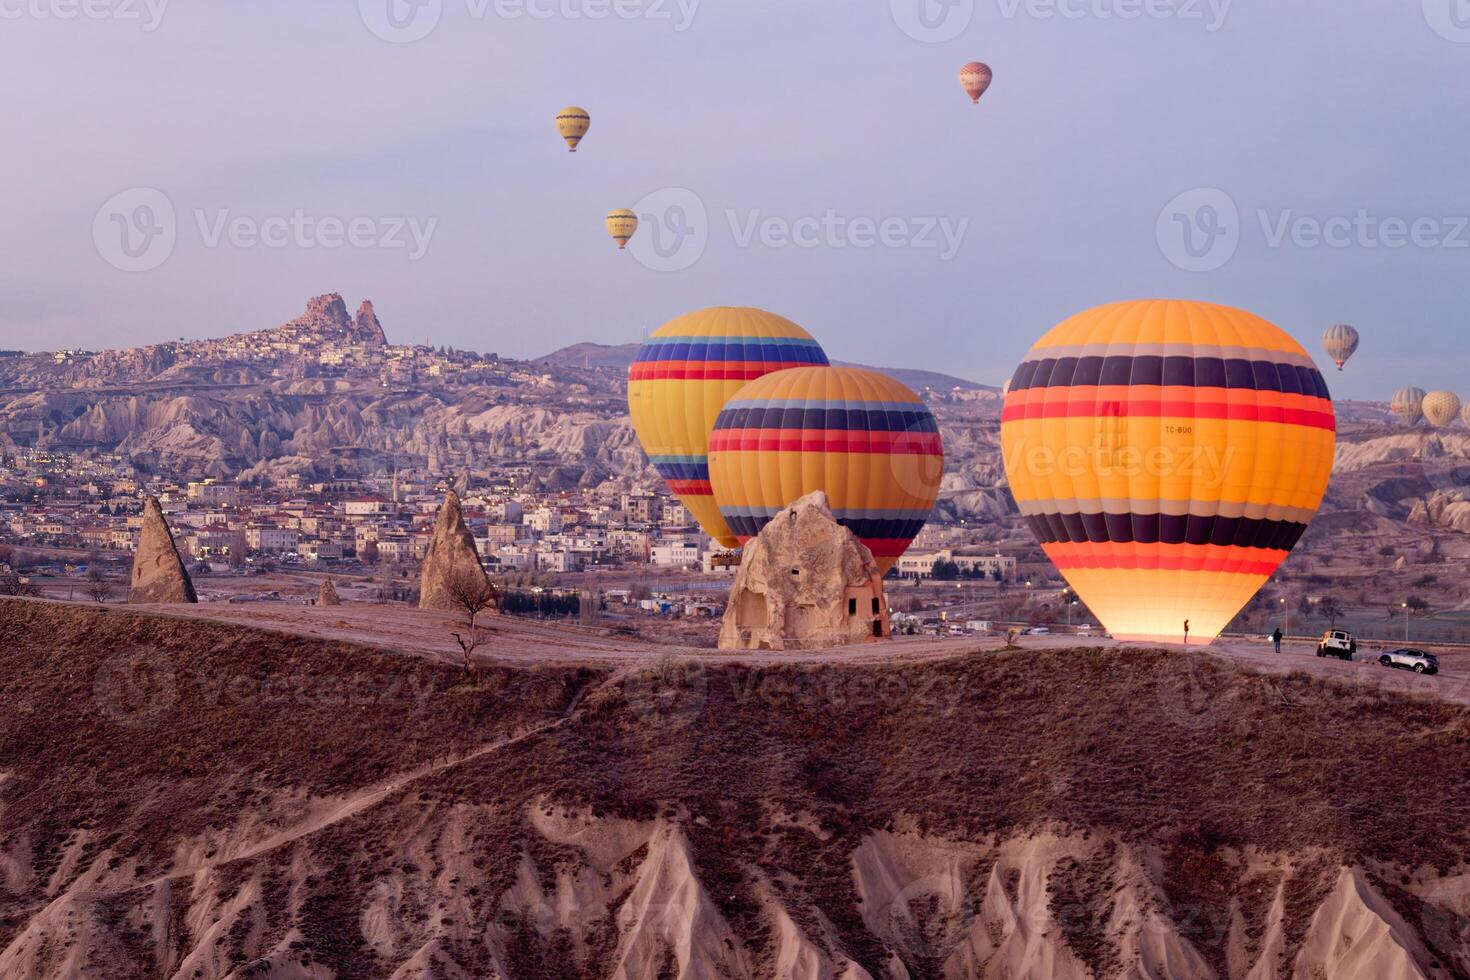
[(686, 372), (621, 224), (1168, 455), (572, 123)]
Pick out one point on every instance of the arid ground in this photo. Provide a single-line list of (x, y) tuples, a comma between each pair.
[(295, 792)]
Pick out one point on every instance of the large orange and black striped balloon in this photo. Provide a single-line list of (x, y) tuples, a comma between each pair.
[(862, 437), (1168, 455)]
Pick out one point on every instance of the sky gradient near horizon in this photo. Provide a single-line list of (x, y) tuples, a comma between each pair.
[(1314, 153)]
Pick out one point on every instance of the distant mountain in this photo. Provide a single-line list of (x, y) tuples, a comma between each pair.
[(587, 356)]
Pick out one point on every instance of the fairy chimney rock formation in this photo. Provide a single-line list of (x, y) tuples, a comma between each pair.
[(451, 554), (327, 594), (158, 571), (806, 583)]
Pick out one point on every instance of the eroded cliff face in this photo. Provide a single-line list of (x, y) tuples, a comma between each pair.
[(186, 799)]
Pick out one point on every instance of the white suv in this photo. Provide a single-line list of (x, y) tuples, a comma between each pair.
[(1337, 643), (1410, 659)]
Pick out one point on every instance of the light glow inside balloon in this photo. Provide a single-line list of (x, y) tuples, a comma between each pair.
[(683, 376), (572, 123), (1168, 455), (864, 438)]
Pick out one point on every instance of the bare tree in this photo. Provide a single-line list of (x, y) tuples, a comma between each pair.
[(468, 642), (12, 585), (98, 588), (472, 593)]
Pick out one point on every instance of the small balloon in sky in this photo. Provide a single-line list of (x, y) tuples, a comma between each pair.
[(572, 123), (976, 78), (621, 224)]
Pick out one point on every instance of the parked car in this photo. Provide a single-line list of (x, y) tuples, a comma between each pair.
[(1407, 658), (1036, 631), (1337, 643)]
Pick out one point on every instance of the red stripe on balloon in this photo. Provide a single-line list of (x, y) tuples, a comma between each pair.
[(1152, 408), (706, 370), (818, 441)]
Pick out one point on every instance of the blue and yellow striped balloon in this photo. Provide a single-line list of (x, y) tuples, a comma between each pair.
[(682, 378), (865, 439)]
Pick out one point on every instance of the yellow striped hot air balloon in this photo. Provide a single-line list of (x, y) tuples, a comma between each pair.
[(1441, 408), (683, 376), (621, 224), (1408, 404), (572, 123), (1168, 455), (862, 437)]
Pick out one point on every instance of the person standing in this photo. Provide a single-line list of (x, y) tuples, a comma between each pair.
[(1186, 632), (1276, 638)]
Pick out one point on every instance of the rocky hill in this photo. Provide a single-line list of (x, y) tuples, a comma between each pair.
[(209, 801)]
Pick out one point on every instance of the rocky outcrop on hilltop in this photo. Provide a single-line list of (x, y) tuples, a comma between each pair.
[(159, 574), (451, 556), (1446, 509), (805, 583), (366, 327)]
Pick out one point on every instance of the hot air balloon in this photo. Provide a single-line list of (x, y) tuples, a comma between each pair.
[(976, 78), (1168, 455), (621, 224), (864, 438), (573, 123), (683, 376), (1465, 415), (1408, 404), (1340, 342), (1441, 408)]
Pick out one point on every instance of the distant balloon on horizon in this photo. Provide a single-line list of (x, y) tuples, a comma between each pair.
[(1341, 343), (572, 123), (1441, 408), (976, 78), (1408, 405)]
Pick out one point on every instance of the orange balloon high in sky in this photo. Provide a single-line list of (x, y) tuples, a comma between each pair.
[(1168, 455), (976, 78)]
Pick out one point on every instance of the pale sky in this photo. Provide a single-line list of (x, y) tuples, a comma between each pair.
[(932, 233)]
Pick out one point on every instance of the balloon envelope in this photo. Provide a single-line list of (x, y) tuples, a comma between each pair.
[(621, 224), (1441, 408), (862, 437), (1408, 404), (1168, 455), (1340, 342), (572, 123), (683, 376), (976, 78)]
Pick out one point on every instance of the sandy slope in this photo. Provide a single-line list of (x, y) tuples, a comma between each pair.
[(1039, 813)]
